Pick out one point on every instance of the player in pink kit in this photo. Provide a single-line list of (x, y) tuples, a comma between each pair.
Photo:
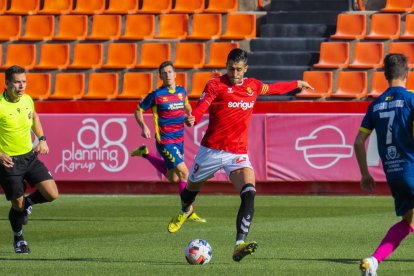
[(230, 99)]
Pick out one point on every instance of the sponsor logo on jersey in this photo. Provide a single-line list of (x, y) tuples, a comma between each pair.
[(175, 106), (243, 105), (240, 159)]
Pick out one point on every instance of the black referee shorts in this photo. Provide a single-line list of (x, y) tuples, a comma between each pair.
[(27, 167)]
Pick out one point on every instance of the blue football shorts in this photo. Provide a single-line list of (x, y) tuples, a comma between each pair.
[(402, 190), (173, 154)]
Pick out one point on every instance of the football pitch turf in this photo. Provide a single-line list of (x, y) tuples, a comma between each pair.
[(127, 235)]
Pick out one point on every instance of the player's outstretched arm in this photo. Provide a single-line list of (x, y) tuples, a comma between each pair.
[(304, 85)]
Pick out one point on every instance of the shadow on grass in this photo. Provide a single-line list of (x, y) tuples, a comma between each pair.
[(96, 260), (59, 219), (332, 260)]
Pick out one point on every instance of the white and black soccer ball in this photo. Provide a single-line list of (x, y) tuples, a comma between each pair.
[(198, 252)]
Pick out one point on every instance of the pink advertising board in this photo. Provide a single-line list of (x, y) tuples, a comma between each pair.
[(316, 147), (282, 147)]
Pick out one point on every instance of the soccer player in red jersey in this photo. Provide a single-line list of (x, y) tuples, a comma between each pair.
[(230, 99)]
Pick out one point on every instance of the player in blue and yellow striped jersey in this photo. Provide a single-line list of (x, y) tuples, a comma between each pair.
[(169, 104)]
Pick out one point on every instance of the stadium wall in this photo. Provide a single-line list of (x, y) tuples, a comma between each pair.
[(308, 108)]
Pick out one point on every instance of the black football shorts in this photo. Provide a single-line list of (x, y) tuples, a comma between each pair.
[(27, 167)]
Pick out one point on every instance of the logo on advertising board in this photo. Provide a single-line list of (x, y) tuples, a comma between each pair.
[(324, 147), (96, 144), (199, 131)]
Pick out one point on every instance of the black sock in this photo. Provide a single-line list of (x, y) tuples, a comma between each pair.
[(246, 211), (36, 198), (16, 219), (187, 198)]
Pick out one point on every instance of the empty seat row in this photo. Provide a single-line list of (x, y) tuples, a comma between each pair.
[(72, 86), (119, 55), (365, 54), (384, 26), (116, 6), (136, 27), (351, 84)]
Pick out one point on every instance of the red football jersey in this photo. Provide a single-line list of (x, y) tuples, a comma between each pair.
[(230, 109)]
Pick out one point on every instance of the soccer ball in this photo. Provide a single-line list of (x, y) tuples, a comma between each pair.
[(198, 252)]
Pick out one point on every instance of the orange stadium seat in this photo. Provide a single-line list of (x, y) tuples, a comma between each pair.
[(350, 26), (11, 27), (69, 86), (379, 84), (321, 81), (206, 26), (105, 27), (333, 55), (2, 79), (398, 6), (23, 55), (39, 27), (159, 6), (406, 48), (219, 52), (152, 54), (3, 6), (410, 81), (188, 6), (133, 91), (53, 56), (38, 85), (72, 27), (190, 55), (89, 7), (173, 26), (26, 7), (409, 27), (102, 86), (121, 55), (368, 55), (352, 84), (87, 56), (122, 7), (384, 26), (56, 7), (240, 26), (181, 79), (222, 6), (198, 83), (145, 31)]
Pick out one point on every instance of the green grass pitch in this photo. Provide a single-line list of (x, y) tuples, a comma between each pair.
[(127, 235)]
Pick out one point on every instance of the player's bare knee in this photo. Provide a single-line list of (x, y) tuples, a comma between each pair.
[(18, 205), (53, 195)]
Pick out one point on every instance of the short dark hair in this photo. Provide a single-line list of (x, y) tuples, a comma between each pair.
[(395, 66), (165, 64), (237, 55), (15, 69)]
